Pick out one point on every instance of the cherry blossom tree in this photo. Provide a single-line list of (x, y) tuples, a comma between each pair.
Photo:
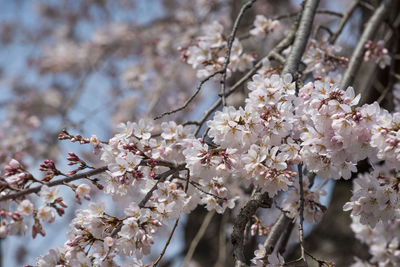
[(208, 105)]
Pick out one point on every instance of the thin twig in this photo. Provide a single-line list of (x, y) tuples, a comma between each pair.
[(205, 192), (342, 23), (203, 136), (176, 224), (323, 27), (198, 89), (230, 43), (395, 75), (321, 11), (166, 244), (367, 5), (372, 26), (190, 123), (198, 237), (54, 183), (160, 178)]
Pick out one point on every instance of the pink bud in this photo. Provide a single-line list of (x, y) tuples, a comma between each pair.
[(253, 229), (100, 187), (71, 173), (8, 168), (14, 164)]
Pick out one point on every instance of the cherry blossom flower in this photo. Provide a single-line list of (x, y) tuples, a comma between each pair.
[(263, 26), (25, 207), (48, 194)]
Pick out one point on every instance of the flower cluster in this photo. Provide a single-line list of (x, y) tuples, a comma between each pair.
[(260, 132), (263, 26), (57, 58), (386, 138), (335, 134), (14, 223), (211, 169), (375, 198), (207, 55), (378, 53), (321, 58), (382, 240)]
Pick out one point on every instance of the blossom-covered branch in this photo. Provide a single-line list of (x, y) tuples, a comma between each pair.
[(62, 181)]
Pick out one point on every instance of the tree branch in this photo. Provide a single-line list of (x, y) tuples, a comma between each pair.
[(301, 210), (342, 23), (321, 11), (197, 238), (166, 244), (198, 89), (257, 200), (228, 51), (277, 229), (358, 54), (54, 183), (302, 35)]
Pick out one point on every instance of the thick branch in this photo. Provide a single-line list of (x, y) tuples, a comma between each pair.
[(277, 229), (301, 209), (368, 33), (302, 36), (257, 200)]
